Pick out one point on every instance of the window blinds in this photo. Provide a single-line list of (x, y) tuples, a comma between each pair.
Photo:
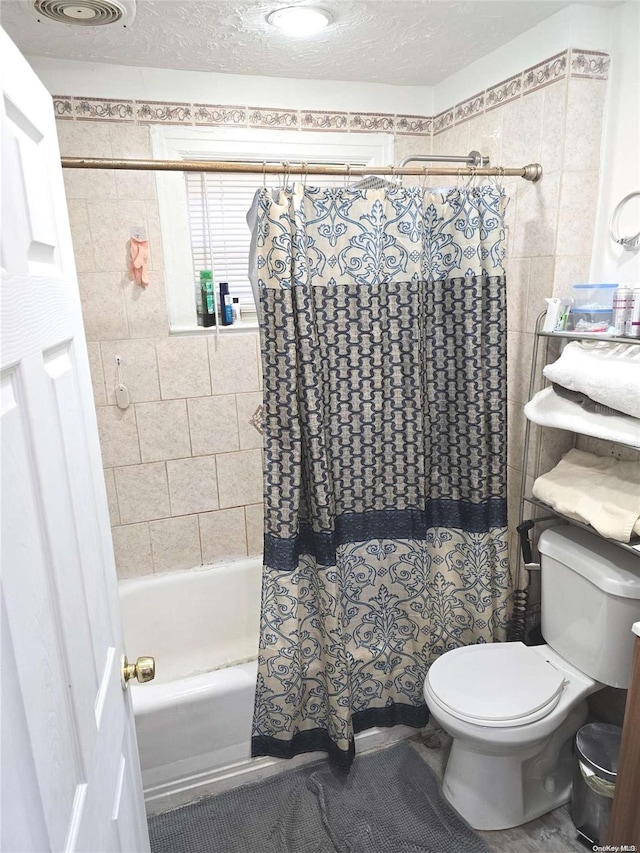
[(229, 197)]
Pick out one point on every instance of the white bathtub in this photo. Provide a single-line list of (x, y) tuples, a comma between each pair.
[(194, 720)]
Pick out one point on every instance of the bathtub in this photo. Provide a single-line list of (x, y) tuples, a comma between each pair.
[(194, 720)]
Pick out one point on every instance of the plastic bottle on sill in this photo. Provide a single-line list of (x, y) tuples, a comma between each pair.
[(235, 310), (208, 298), (226, 315), (634, 324)]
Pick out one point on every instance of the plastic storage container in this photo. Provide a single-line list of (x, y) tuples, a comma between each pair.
[(597, 748), (593, 304)]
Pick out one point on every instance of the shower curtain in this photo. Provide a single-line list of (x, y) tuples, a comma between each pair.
[(383, 337)]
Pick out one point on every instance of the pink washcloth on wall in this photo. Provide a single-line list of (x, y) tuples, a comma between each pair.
[(138, 259)]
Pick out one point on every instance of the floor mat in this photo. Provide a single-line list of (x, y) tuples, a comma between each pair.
[(389, 803)]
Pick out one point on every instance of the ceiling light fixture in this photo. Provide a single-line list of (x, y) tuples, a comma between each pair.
[(299, 20)]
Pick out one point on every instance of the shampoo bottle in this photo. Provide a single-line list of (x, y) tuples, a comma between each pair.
[(208, 298), (226, 315)]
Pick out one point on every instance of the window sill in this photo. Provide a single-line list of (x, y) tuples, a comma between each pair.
[(250, 324)]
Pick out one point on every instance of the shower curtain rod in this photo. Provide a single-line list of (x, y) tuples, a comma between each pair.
[(532, 172)]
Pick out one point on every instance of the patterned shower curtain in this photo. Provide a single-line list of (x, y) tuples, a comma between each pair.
[(383, 338)]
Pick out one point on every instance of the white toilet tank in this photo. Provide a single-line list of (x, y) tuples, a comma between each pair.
[(590, 600)]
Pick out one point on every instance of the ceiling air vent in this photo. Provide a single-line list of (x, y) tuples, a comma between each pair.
[(87, 13)]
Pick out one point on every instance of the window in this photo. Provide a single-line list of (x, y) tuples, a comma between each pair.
[(203, 215)]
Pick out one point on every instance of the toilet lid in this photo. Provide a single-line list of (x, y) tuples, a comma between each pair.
[(496, 683)]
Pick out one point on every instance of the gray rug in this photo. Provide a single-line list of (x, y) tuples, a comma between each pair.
[(389, 803)]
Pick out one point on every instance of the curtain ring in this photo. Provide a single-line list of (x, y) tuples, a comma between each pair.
[(305, 167), (264, 174), (425, 170), (348, 174)]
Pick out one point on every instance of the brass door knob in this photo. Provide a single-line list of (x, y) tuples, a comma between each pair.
[(144, 669)]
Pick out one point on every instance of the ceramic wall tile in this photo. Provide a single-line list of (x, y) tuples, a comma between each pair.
[(143, 493), (577, 214), (583, 134), (443, 121), (234, 364), (223, 535), (522, 130), (536, 217), (103, 307), (569, 271), (540, 287), (213, 424), (485, 136), (132, 550), (129, 141), (110, 223), (164, 430), (554, 118), (250, 424), (239, 478), (138, 369), (175, 543), (83, 139), (97, 376), (254, 515), (517, 273), (519, 352), (89, 183), (193, 485), (63, 107), (112, 496), (183, 363), (146, 307), (81, 236), (118, 436)]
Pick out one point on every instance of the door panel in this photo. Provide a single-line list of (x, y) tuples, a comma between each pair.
[(71, 778)]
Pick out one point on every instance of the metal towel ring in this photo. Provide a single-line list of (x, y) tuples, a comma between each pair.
[(628, 243)]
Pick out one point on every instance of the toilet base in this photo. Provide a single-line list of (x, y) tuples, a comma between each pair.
[(499, 791)]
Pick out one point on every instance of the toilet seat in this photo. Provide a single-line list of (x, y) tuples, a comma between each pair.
[(497, 684)]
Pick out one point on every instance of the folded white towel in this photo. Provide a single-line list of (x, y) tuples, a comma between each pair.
[(601, 492), (550, 409), (608, 373)]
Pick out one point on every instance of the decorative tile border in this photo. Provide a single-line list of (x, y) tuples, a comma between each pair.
[(443, 121), (160, 112), (413, 125), (591, 64), (219, 115), (504, 92), (544, 73), (469, 108), (371, 122), (323, 120), (87, 109), (586, 64)]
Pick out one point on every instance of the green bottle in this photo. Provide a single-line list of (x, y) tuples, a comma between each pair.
[(208, 298)]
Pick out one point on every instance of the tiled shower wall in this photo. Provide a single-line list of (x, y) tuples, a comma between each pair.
[(551, 114), (183, 463)]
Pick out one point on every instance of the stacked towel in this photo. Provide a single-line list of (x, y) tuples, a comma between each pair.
[(607, 373), (550, 409), (601, 492)]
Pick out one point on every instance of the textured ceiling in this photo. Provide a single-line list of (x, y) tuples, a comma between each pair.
[(405, 42)]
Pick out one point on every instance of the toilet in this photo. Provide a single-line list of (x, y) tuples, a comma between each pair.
[(512, 710)]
